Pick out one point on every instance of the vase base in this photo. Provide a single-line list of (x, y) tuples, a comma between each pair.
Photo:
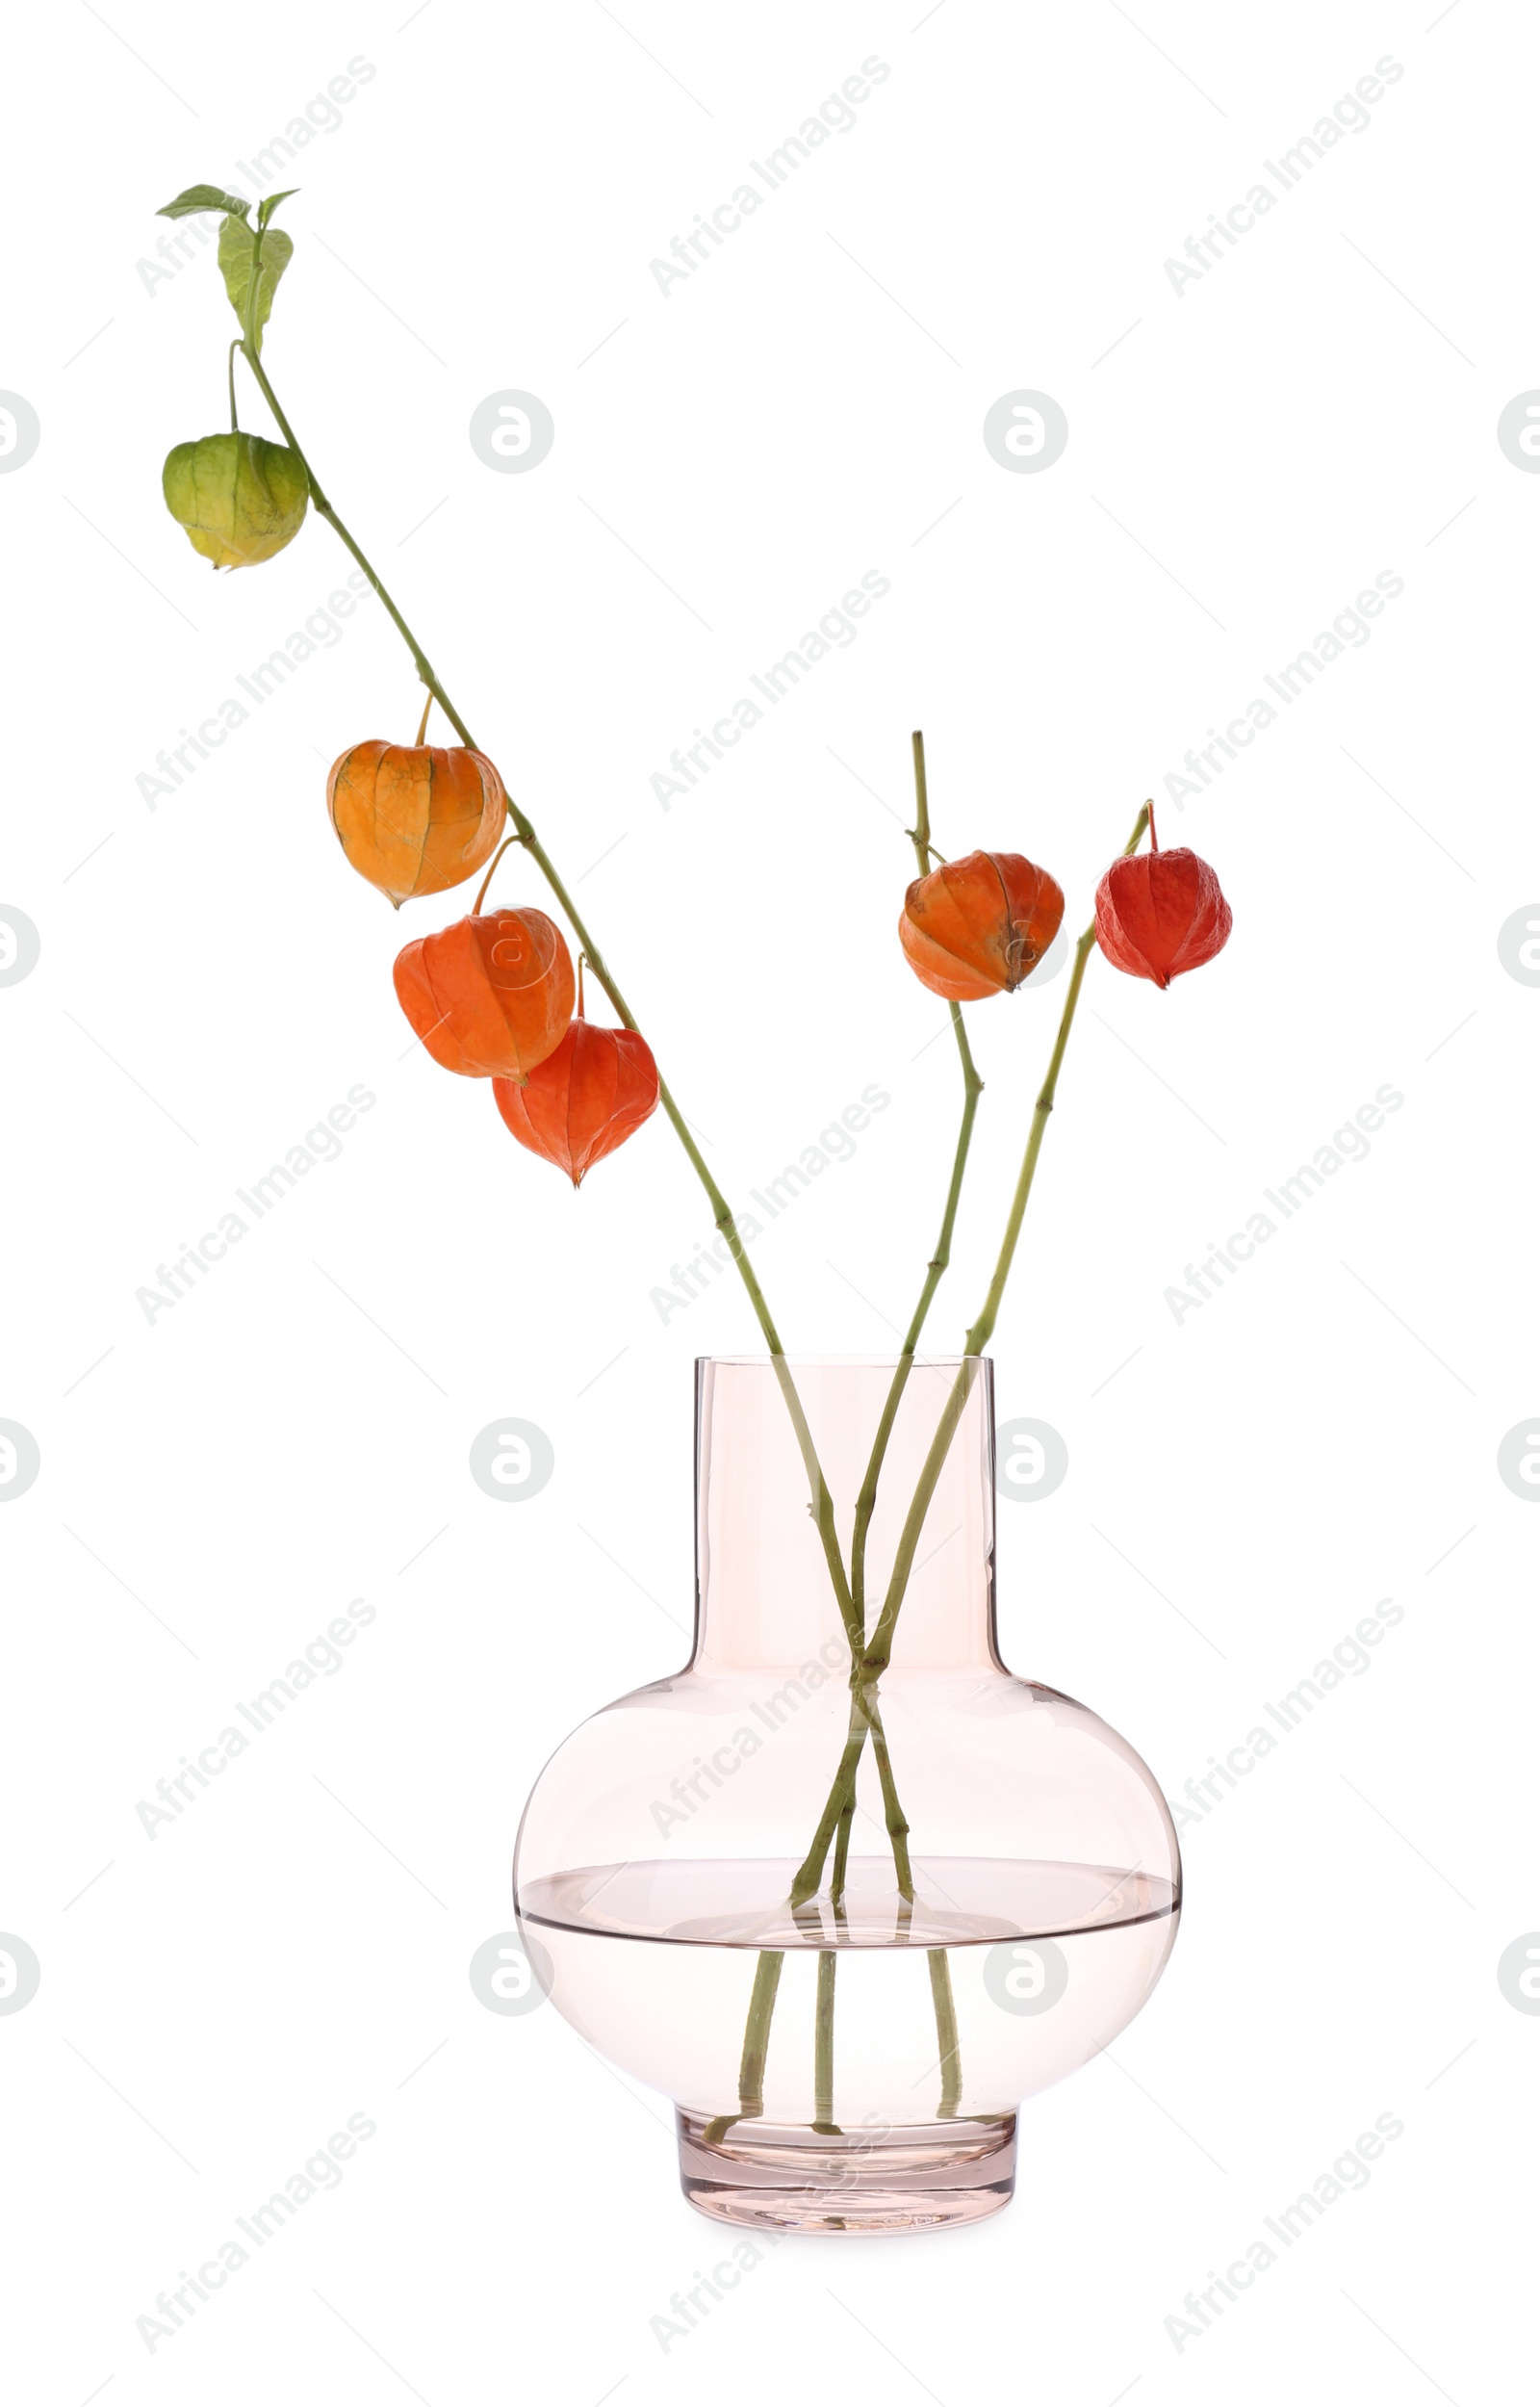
[(787, 2177)]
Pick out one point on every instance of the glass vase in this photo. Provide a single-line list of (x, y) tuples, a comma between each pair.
[(845, 1888)]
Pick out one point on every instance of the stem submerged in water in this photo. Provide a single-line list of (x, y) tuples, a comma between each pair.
[(755, 2047), (823, 2061), (945, 2030)]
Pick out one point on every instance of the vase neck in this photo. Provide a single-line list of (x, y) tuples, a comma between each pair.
[(765, 1590)]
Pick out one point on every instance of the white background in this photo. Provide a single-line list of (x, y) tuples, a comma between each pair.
[(1245, 457)]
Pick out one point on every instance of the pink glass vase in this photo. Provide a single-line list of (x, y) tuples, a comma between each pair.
[(846, 2033)]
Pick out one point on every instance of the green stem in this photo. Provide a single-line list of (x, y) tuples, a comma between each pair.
[(879, 1650), (893, 1814), (525, 831), (235, 423), (823, 2047), (767, 1980), (935, 1269), (252, 340), (978, 1335), (836, 1878), (945, 2030), (475, 907), (879, 1646), (767, 1974), (755, 2047), (840, 1802), (840, 1807), (843, 1793)]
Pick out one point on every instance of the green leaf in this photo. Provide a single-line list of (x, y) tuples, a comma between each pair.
[(237, 245), (199, 197), (266, 208)]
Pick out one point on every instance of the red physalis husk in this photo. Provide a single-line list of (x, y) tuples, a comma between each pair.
[(1160, 914), (586, 1098)]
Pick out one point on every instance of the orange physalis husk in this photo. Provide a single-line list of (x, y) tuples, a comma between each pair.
[(413, 819), (980, 925), (593, 1091), (1158, 914), (490, 996)]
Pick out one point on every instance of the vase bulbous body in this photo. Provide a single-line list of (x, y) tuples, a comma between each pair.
[(845, 1889)]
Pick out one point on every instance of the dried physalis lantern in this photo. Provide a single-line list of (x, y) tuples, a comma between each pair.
[(1160, 914), (415, 818), (586, 1098), (492, 996), (980, 925)]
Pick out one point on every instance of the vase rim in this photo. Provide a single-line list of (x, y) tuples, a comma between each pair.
[(838, 1361)]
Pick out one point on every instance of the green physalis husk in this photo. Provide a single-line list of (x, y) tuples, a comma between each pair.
[(240, 497)]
